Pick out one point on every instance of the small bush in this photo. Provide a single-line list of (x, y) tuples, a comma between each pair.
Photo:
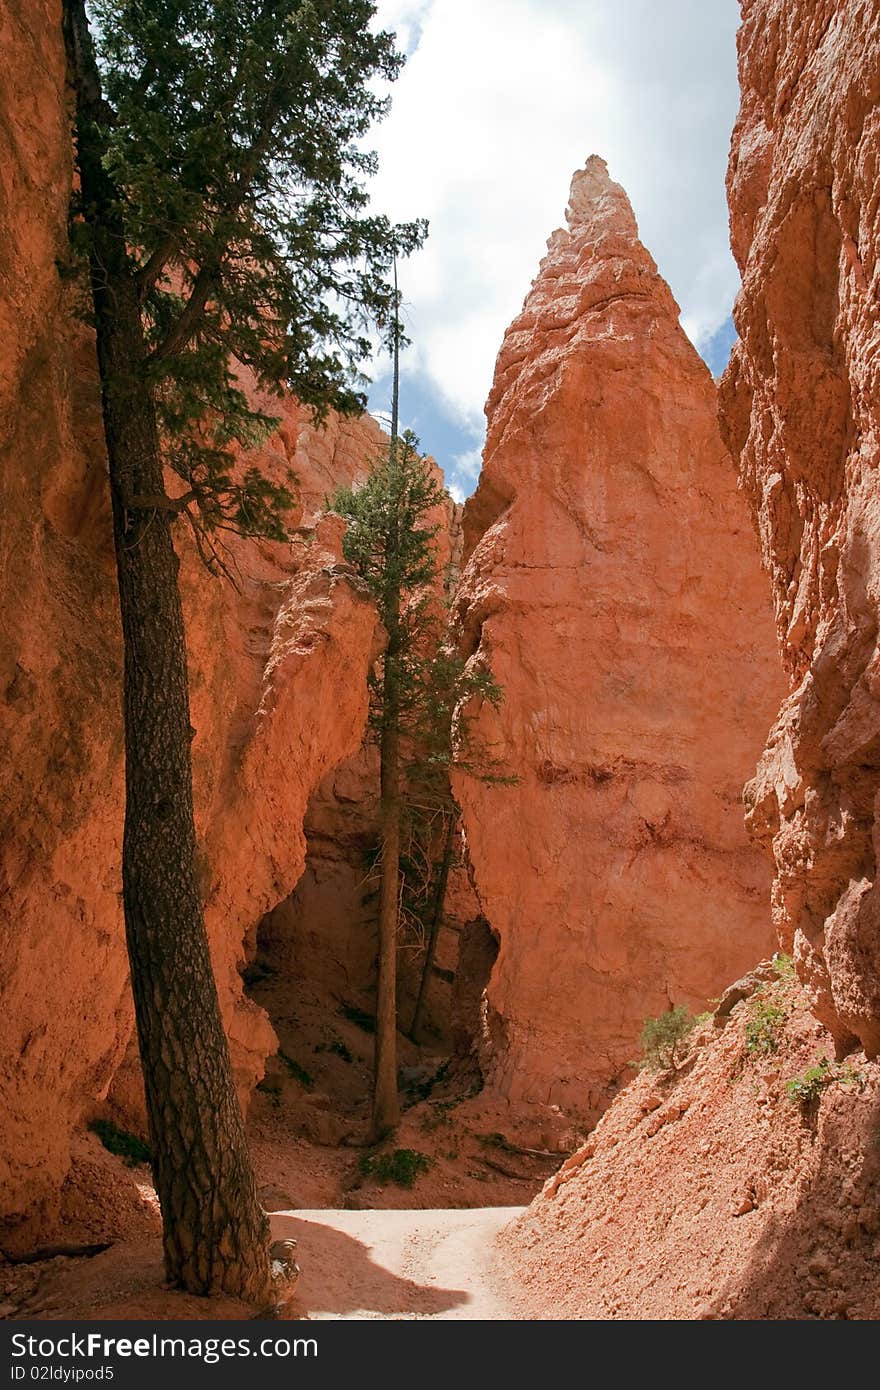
[(784, 966), (662, 1037), (805, 1090), (366, 1022), (437, 1115), (296, 1070), (402, 1166), (336, 1046), (764, 1024), (121, 1142), (495, 1140)]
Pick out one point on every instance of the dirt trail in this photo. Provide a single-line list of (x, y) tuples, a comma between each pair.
[(400, 1264)]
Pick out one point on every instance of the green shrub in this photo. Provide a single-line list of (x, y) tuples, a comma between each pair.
[(784, 966), (850, 1075), (804, 1090), (402, 1166), (336, 1046), (121, 1142), (296, 1070), (764, 1024), (366, 1022), (437, 1115), (662, 1037), (495, 1140)]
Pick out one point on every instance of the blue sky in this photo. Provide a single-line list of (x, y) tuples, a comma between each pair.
[(499, 103)]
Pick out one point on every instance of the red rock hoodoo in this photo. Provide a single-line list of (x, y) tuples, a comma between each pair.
[(800, 408), (617, 595), (746, 1184)]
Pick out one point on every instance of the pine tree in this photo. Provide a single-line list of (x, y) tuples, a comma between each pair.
[(391, 544), (222, 213), (421, 691)]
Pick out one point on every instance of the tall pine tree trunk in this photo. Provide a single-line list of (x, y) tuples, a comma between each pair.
[(215, 1233), (436, 921), (386, 1105)]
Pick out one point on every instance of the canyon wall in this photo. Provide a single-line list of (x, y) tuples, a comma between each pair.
[(326, 932), (800, 408), (278, 671), (617, 596)]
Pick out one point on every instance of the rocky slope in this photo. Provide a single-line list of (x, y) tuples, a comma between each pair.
[(800, 406), (277, 673), (616, 594), (713, 1191)]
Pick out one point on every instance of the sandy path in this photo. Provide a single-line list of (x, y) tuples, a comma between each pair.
[(399, 1264)]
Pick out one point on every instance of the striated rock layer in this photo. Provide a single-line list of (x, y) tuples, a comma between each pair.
[(800, 408), (278, 673), (616, 594)]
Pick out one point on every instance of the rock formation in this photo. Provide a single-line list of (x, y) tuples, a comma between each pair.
[(277, 671), (616, 594), (800, 406)]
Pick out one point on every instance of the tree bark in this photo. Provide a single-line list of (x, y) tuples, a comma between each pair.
[(215, 1233), (436, 920), (386, 1105)]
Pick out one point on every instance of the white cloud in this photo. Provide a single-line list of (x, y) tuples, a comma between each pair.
[(383, 419), (499, 103), (467, 466)]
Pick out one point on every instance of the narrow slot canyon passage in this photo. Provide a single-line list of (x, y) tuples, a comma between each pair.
[(312, 968)]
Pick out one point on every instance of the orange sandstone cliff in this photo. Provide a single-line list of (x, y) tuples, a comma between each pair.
[(278, 674), (800, 407), (747, 1183), (617, 596)]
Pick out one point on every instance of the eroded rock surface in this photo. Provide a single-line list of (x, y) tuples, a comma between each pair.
[(617, 595), (715, 1191), (800, 410)]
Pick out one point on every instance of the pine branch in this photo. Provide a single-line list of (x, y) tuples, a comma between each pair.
[(187, 325)]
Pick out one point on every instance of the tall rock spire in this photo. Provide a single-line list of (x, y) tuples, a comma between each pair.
[(596, 202), (615, 590)]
